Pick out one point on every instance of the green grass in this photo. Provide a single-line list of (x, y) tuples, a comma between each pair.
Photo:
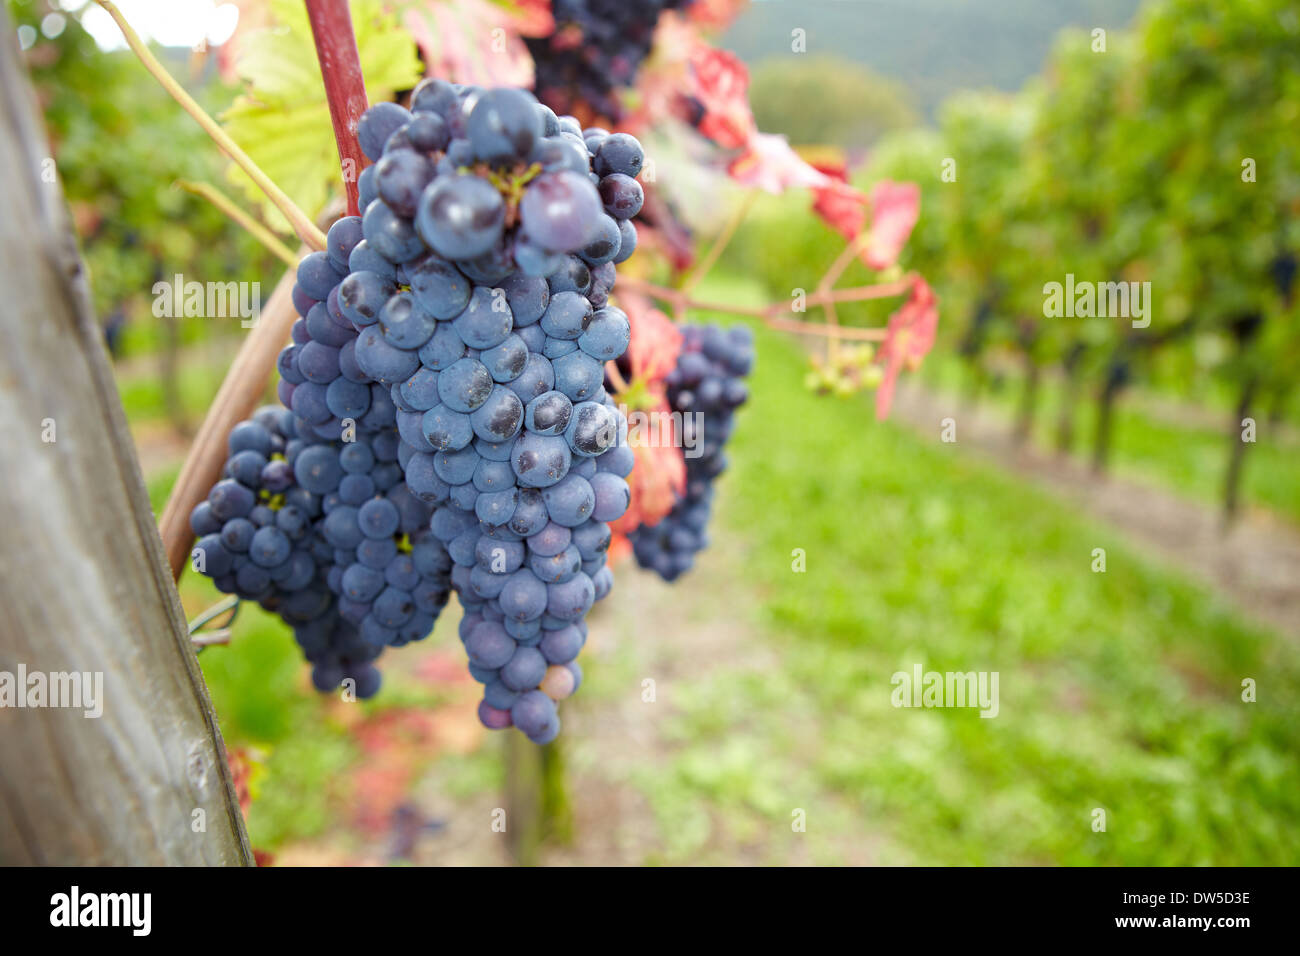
[(1184, 456), (144, 399), (1119, 690)]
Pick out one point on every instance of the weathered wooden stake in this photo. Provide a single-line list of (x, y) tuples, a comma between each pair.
[(84, 588)]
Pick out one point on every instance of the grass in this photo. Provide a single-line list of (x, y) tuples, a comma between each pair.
[(1120, 691), (1186, 456), (197, 381)]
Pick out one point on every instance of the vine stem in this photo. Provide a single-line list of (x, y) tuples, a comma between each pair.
[(827, 283), (846, 256), (720, 244), (241, 218), (345, 87), (771, 315), (301, 223)]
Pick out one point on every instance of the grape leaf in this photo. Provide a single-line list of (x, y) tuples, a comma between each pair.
[(282, 120)]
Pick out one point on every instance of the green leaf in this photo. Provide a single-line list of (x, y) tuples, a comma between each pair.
[(281, 119)]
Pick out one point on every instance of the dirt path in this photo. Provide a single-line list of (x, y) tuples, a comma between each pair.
[(1255, 565)]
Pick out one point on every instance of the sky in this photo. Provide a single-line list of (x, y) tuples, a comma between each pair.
[(168, 22)]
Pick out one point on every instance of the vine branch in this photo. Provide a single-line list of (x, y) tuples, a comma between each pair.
[(771, 314), (241, 218)]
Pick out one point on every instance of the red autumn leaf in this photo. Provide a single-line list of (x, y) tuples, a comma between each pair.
[(768, 163), (894, 211), (533, 18), (713, 14), (840, 205), (655, 341), (470, 41), (720, 82), (908, 339), (658, 475)]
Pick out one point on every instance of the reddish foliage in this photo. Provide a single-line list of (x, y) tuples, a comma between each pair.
[(396, 743), (654, 344), (841, 206), (713, 14), (659, 474), (241, 772), (533, 18), (721, 86), (908, 340), (770, 164), (894, 211), (657, 480), (472, 41)]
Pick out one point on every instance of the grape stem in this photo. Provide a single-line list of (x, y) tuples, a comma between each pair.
[(301, 223), (345, 87), (241, 218)]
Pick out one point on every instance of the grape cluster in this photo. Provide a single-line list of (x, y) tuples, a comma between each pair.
[(480, 291), (259, 538), (366, 571), (596, 50), (707, 381)]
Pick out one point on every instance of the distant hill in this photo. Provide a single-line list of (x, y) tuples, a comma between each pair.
[(932, 47)]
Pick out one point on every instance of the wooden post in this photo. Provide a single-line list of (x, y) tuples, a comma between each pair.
[(557, 809), (537, 797), (1237, 450), (83, 584), (523, 798)]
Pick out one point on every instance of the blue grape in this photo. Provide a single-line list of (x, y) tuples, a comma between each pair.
[(404, 322), (621, 195), (560, 211), (707, 382), (504, 126), (486, 320), (390, 235), (377, 124), (460, 216), (439, 286)]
